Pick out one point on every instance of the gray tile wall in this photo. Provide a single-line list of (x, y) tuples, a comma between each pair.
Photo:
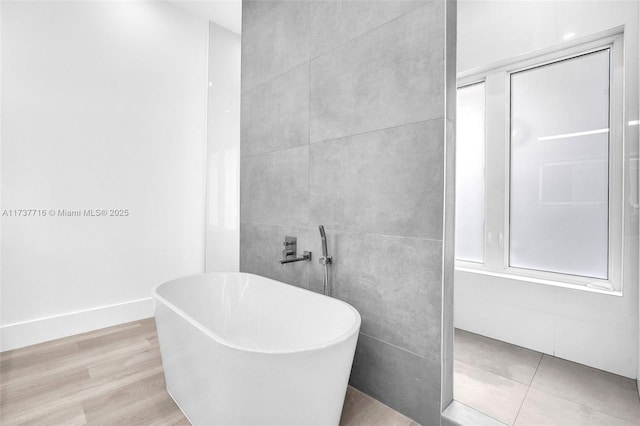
[(346, 122)]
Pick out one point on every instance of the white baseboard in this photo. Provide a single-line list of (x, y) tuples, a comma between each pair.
[(18, 335)]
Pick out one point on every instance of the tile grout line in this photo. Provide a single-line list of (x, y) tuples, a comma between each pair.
[(528, 389), (478, 409), (582, 405), (364, 132), (316, 57), (511, 379), (521, 405), (551, 393), (343, 231), (293, 67), (567, 399), (536, 370), (310, 143), (367, 32), (495, 372)]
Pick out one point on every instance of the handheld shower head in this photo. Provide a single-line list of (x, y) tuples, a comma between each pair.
[(325, 260), (323, 237)]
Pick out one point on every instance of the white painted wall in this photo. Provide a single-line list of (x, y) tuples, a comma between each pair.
[(103, 107), (590, 328), (225, 13), (223, 152)]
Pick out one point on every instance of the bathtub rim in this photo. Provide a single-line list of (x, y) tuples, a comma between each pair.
[(353, 329)]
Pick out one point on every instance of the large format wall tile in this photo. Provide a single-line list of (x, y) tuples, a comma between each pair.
[(451, 83), (261, 248), (275, 187), (336, 22), (404, 381), (386, 182), (277, 41), (343, 113), (393, 282), (390, 76), (275, 115), (254, 10)]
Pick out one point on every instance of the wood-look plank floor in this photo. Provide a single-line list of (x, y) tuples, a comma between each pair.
[(114, 376)]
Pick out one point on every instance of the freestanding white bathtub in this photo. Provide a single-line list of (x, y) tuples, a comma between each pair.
[(241, 349)]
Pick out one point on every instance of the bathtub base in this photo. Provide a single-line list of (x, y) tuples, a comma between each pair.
[(214, 385), (218, 384)]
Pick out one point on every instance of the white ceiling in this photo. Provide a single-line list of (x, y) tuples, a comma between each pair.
[(226, 13)]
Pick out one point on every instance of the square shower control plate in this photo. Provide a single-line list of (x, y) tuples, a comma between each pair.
[(290, 247)]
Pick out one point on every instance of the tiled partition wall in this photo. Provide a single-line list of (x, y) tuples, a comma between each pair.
[(346, 122)]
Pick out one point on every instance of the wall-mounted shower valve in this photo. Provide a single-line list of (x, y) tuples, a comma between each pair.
[(289, 254), (290, 247)]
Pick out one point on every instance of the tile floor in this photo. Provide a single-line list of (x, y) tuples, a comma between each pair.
[(518, 386)]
